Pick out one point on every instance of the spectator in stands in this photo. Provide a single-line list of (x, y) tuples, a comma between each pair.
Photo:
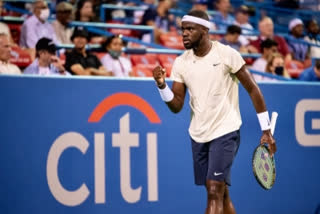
[(46, 62), (200, 5), (64, 16), (3, 26), (80, 61), (5, 54), (231, 38), (117, 15), (312, 73), (266, 29), (159, 18), (203, 6), (312, 36), (313, 5), (84, 13), (268, 47), (138, 14), (242, 20), (299, 50), (37, 26), (223, 18), (119, 65), (275, 66)]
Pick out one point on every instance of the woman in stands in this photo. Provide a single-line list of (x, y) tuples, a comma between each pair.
[(275, 66), (85, 13), (113, 61)]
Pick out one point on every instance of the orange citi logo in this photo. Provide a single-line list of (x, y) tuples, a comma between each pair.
[(124, 140)]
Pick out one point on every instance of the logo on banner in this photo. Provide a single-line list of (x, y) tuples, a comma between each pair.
[(124, 140), (307, 122)]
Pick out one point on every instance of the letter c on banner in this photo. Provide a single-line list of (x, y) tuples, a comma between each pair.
[(63, 142)]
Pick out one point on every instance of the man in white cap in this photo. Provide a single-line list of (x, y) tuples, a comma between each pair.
[(299, 50), (211, 72)]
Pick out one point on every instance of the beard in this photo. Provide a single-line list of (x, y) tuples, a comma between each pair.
[(193, 44)]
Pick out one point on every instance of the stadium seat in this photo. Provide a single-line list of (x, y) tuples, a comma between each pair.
[(124, 32), (142, 70), (172, 40), (20, 57), (15, 30), (166, 61), (146, 59), (294, 68)]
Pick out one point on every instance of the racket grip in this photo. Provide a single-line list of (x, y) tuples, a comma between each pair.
[(273, 121)]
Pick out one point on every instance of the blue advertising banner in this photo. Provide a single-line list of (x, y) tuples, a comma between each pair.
[(98, 145)]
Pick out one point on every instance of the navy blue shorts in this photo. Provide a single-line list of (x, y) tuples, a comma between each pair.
[(213, 160)]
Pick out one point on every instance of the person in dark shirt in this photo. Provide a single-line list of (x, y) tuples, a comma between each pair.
[(160, 19), (80, 61), (231, 37), (298, 49)]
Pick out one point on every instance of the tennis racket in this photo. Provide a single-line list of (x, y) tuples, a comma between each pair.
[(263, 165)]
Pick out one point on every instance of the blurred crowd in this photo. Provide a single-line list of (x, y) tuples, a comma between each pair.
[(36, 46)]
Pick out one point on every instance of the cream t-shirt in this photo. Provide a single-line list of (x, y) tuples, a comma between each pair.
[(213, 90)]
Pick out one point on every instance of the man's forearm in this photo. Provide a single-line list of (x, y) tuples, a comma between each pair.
[(173, 101), (175, 105), (258, 100)]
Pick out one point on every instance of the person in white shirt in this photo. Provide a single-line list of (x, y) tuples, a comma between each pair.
[(113, 61), (5, 54), (211, 72), (268, 47), (242, 20), (46, 63)]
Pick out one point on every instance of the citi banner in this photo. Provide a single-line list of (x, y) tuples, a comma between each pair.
[(93, 145)]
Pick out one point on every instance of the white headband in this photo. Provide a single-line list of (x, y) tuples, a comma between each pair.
[(196, 20)]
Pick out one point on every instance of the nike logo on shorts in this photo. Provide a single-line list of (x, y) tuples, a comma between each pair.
[(217, 173), (216, 64)]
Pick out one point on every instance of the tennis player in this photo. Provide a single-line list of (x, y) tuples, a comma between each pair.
[(211, 72)]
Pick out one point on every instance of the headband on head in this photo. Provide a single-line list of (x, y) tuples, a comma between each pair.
[(196, 20)]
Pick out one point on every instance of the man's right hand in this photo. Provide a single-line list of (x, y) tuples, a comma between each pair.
[(159, 75)]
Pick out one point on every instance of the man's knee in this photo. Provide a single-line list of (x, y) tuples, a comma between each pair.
[(215, 189)]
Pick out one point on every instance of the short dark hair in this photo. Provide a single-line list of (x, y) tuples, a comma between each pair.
[(199, 13), (233, 29), (109, 40), (268, 43)]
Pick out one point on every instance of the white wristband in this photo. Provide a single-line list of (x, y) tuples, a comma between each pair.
[(166, 94), (264, 120)]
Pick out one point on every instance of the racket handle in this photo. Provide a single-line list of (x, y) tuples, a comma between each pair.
[(273, 121)]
